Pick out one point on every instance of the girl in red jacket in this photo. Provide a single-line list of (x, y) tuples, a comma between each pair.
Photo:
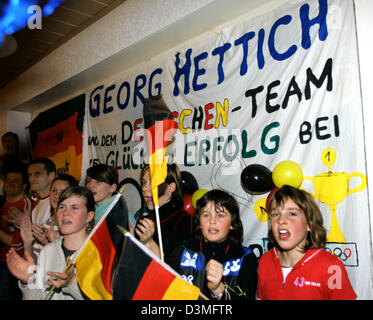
[(298, 267)]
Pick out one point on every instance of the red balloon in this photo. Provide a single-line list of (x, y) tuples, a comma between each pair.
[(188, 207)]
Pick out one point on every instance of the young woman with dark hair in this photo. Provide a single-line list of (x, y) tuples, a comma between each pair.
[(102, 180), (176, 225)]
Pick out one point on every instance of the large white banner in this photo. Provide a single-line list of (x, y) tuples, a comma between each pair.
[(281, 86)]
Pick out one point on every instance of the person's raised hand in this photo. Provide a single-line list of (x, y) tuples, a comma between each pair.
[(21, 268), (14, 216), (50, 233), (214, 275), (62, 279), (145, 230), (39, 234), (26, 229)]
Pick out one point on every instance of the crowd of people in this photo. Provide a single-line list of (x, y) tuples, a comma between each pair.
[(45, 218)]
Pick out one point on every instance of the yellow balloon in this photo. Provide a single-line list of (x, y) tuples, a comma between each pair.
[(260, 210), (287, 172), (197, 195)]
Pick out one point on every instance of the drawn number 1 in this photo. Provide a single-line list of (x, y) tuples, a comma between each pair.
[(328, 157)]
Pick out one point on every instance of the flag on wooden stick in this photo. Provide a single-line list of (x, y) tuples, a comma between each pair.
[(160, 127), (143, 276), (99, 255)]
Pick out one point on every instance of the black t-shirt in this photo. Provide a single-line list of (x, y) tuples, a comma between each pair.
[(176, 226), (67, 252)]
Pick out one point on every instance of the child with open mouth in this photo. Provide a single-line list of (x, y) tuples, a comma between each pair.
[(298, 267)]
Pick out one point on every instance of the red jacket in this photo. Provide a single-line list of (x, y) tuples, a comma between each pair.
[(319, 275)]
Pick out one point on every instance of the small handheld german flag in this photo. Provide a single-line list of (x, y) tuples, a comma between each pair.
[(98, 256), (142, 276), (160, 127)]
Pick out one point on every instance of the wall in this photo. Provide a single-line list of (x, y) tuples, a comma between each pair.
[(133, 32)]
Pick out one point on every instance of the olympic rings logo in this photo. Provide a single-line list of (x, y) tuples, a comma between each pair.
[(341, 254)]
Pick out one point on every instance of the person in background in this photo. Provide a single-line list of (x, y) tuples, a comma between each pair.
[(48, 232), (102, 180), (15, 185), (75, 216), (11, 156), (298, 267), (41, 172), (176, 225), (214, 259), (59, 184)]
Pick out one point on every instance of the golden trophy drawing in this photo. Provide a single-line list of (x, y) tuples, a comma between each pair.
[(332, 188)]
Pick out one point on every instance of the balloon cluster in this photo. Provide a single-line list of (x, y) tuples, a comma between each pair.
[(257, 179), (192, 193)]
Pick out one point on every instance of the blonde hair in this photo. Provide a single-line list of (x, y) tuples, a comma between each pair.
[(316, 237)]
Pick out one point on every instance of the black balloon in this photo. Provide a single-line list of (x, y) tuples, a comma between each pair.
[(189, 184), (256, 178)]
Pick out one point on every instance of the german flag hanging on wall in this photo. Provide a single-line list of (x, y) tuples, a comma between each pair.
[(160, 127), (57, 134), (143, 276), (96, 262)]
